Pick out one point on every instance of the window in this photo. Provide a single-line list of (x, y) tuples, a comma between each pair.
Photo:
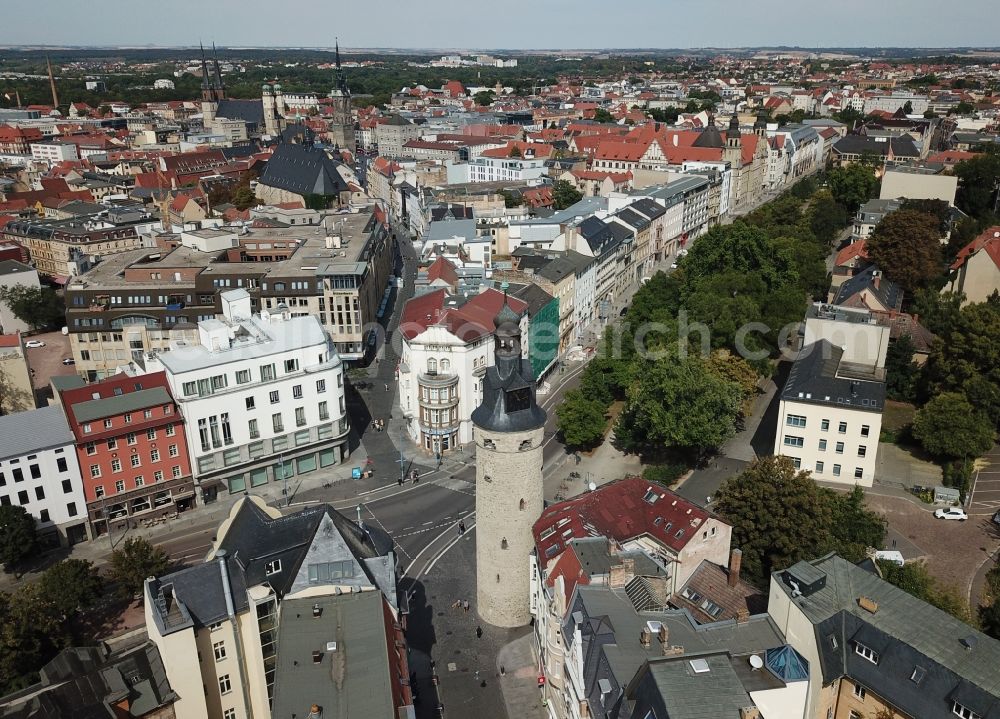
[(99, 491), (862, 450), (242, 376), (116, 465), (128, 418), (842, 428), (274, 397), (840, 448), (219, 649), (135, 460), (35, 471), (254, 430), (824, 425), (170, 431), (119, 486), (39, 493), (819, 468), (250, 403), (865, 429), (229, 714), (140, 480), (822, 445), (224, 685), (272, 567), (71, 509), (67, 486), (300, 416), (297, 392), (154, 455), (112, 444), (151, 434), (324, 413), (107, 424), (859, 692), (43, 516), (328, 571), (291, 365), (962, 711), (866, 652), (836, 470), (189, 389), (791, 441), (859, 472), (276, 422), (175, 471), (227, 431), (172, 450), (130, 438), (266, 372), (158, 476), (795, 420), (91, 448), (86, 429), (320, 386)]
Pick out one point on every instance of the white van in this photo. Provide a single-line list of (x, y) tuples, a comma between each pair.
[(890, 555)]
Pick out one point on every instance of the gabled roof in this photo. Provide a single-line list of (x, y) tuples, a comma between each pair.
[(851, 254), (442, 269), (621, 511), (855, 291), (303, 170), (249, 111), (26, 432), (710, 583), (467, 322), (988, 241)]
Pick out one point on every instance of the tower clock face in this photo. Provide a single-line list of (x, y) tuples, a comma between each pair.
[(517, 399)]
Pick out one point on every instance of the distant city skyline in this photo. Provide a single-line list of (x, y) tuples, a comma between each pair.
[(576, 24)]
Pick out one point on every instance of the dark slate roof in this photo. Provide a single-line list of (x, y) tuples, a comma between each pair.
[(709, 137), (303, 170), (648, 208), (715, 692), (859, 144), (818, 377), (633, 218), (194, 596), (598, 235), (458, 212), (250, 111), (535, 296), (620, 233), (355, 679), (237, 151), (83, 683), (254, 539), (119, 404), (887, 292)]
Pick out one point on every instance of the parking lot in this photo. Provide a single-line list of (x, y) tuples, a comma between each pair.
[(46, 362), (985, 498)]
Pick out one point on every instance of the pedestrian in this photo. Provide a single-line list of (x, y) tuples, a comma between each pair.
[(465, 605), (400, 480), (479, 632), (416, 477), (503, 671), (386, 386), (461, 527)]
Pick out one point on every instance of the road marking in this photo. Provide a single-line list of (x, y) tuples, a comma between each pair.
[(430, 544), (452, 543)]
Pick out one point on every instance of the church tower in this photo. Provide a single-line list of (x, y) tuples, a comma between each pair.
[(270, 112), (509, 428), (733, 152), (342, 124), (212, 88)]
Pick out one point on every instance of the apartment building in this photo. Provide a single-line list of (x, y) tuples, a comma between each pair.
[(261, 627), (64, 248), (131, 445), (830, 414), (447, 348), (39, 471), (262, 397), (337, 271), (392, 134), (872, 649)]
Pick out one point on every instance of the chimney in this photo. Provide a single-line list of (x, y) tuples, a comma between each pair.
[(735, 563), (644, 637), (664, 635), (621, 574), (749, 713)]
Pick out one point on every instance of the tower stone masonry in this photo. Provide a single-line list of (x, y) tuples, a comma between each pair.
[(509, 432)]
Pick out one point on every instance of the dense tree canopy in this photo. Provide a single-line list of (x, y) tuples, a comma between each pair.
[(581, 420), (134, 561), (853, 185), (564, 194), (978, 179), (37, 306), (906, 246), (949, 427), (18, 536)]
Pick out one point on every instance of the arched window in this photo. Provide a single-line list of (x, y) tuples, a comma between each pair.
[(445, 365), (503, 543), (432, 365), (521, 505)]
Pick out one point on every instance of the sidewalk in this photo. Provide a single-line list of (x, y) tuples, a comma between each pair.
[(519, 682)]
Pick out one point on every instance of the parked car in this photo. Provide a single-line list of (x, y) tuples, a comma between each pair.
[(673, 265), (33, 344), (951, 513), (68, 361)]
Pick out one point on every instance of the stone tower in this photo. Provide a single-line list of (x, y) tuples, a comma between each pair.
[(212, 89), (342, 123), (267, 101), (509, 427)]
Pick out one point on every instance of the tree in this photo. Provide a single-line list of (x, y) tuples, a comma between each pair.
[(678, 403), (908, 108), (828, 217), (134, 561), (510, 199), (581, 420), (29, 636), (564, 194), (853, 185), (967, 348), (602, 115), (989, 618), (71, 586), (734, 369), (484, 98), (778, 514), (906, 245), (949, 427), (854, 528), (36, 306), (848, 116), (18, 535), (963, 108), (901, 372), (978, 178), (740, 248), (243, 197)]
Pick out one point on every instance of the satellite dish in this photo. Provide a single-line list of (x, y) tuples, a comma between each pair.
[(756, 662), (591, 486)]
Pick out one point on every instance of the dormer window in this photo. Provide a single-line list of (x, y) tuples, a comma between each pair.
[(272, 567), (963, 711), (866, 652)]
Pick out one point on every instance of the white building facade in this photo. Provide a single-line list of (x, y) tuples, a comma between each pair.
[(39, 471), (262, 396)]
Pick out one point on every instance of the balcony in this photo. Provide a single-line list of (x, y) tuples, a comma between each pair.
[(437, 379), (440, 402)]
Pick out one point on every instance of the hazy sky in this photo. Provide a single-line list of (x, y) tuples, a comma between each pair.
[(506, 23)]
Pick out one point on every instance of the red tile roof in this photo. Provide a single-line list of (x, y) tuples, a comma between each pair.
[(620, 511), (442, 269), (469, 322), (537, 149), (988, 241), (567, 565), (950, 157), (854, 251)]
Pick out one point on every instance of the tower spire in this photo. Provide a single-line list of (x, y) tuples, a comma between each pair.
[(52, 84), (341, 81), (206, 82), (219, 87)]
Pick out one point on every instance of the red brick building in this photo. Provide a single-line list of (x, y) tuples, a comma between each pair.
[(131, 448)]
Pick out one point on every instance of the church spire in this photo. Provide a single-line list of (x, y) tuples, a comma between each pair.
[(217, 84), (52, 84), (341, 81), (206, 81)]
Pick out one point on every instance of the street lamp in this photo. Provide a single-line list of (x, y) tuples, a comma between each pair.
[(358, 509)]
